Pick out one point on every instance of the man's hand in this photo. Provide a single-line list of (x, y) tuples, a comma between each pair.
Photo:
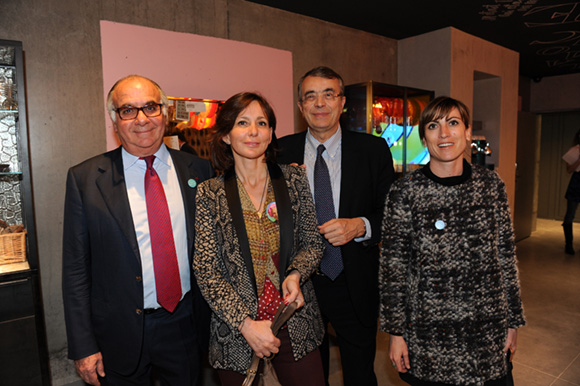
[(340, 231), (89, 367)]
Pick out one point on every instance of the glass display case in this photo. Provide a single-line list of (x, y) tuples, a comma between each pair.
[(23, 351), (192, 118), (389, 111)]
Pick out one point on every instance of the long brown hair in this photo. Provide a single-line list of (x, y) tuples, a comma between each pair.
[(222, 155)]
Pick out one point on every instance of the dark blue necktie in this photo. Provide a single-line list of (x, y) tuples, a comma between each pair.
[(331, 264)]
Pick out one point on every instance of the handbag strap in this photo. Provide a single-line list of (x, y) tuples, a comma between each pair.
[(284, 313)]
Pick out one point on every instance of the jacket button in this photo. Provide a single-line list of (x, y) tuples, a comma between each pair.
[(139, 279), (138, 311)]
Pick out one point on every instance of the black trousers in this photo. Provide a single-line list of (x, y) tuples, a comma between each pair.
[(170, 350), (357, 343)]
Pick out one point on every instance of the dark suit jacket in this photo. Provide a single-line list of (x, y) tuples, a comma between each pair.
[(188, 148), (367, 174), (102, 285)]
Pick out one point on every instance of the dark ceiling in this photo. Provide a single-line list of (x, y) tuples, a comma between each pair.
[(546, 33)]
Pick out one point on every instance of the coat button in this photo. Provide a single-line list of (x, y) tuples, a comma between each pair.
[(138, 311), (139, 279)]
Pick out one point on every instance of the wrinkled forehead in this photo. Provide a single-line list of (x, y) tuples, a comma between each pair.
[(135, 92), (317, 84)]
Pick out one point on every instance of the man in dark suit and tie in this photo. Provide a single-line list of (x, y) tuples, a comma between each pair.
[(353, 172), (131, 302)]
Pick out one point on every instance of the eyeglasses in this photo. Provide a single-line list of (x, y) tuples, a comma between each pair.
[(129, 112), (328, 95)]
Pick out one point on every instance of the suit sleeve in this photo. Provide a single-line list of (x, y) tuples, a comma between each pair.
[(76, 277), (384, 177)]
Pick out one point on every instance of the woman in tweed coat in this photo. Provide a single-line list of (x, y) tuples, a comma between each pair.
[(256, 246), (450, 296)]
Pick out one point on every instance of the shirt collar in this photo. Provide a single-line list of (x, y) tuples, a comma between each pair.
[(332, 144), (130, 160)]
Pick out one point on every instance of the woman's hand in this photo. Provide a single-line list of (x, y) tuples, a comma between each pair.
[(259, 336), (398, 353), (511, 342), (291, 289)]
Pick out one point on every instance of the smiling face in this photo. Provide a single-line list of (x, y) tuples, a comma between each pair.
[(322, 114), (250, 135), (446, 139), (141, 136)]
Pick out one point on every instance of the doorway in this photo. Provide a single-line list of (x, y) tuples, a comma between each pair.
[(558, 130)]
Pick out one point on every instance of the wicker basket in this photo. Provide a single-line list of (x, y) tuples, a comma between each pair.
[(13, 248)]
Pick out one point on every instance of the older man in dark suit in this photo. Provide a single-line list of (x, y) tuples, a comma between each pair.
[(352, 173), (131, 302)]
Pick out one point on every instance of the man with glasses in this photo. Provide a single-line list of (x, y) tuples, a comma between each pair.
[(351, 173), (132, 307)]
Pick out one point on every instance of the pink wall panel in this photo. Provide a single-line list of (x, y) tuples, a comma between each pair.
[(194, 66)]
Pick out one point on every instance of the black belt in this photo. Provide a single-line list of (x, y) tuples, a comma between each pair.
[(149, 311)]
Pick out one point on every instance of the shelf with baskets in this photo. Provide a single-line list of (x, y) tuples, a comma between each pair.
[(23, 352)]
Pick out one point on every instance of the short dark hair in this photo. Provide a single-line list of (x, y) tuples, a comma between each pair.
[(439, 108), (222, 155), (321, 72)]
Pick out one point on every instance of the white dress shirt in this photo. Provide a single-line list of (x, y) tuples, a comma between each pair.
[(135, 181), (333, 158)]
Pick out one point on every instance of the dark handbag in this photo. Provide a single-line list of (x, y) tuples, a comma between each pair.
[(268, 376)]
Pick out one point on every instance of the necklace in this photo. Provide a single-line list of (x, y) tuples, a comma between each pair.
[(259, 208), (263, 195)]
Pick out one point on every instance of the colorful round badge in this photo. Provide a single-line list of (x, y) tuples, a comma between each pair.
[(272, 211), (440, 224), (192, 183)]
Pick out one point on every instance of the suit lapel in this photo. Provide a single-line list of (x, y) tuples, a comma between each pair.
[(348, 167), (285, 220), (111, 184), (300, 147), (235, 206), (188, 180)]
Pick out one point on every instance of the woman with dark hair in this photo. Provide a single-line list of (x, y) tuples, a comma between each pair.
[(256, 246), (572, 159), (450, 296)]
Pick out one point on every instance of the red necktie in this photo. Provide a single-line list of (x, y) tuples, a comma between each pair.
[(167, 279)]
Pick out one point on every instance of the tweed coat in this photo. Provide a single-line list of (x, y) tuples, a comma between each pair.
[(449, 282), (225, 273)]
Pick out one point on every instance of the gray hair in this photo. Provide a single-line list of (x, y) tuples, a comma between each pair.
[(111, 106), (321, 72)]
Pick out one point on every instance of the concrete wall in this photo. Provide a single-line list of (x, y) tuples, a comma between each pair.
[(447, 61), (61, 41), (555, 94)]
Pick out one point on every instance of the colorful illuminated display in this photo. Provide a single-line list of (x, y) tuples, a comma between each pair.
[(391, 112), (388, 123), (200, 113)]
